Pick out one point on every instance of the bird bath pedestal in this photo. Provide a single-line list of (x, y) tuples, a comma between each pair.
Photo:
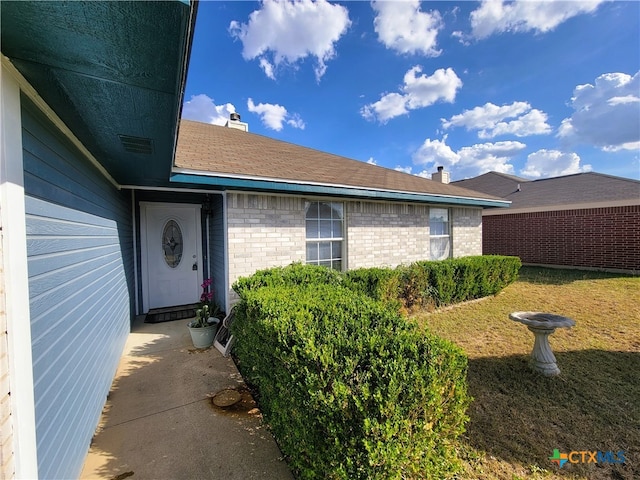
[(542, 325)]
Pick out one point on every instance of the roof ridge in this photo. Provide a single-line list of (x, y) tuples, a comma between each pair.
[(499, 174), (511, 177), (588, 173)]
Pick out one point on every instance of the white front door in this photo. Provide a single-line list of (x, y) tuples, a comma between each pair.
[(171, 254)]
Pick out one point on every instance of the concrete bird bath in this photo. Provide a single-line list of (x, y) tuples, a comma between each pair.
[(542, 325)]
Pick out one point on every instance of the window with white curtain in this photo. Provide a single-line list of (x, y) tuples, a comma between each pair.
[(439, 233), (325, 227)]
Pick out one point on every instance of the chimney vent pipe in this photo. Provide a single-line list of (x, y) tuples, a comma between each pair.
[(234, 122)]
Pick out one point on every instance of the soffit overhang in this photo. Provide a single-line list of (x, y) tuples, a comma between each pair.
[(113, 72)]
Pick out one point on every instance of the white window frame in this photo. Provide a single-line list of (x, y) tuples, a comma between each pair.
[(433, 211), (333, 238)]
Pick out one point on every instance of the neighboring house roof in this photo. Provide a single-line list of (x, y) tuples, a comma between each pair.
[(581, 190), (231, 158), (113, 72)]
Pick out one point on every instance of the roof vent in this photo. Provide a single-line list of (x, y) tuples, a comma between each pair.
[(234, 117), (136, 144)]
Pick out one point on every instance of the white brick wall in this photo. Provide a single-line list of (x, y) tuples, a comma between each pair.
[(467, 231), (381, 234), (386, 234), (266, 231), (263, 231)]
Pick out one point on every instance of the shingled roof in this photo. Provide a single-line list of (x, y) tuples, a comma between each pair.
[(558, 192), (213, 151)]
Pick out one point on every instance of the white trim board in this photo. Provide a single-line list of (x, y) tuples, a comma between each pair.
[(16, 279)]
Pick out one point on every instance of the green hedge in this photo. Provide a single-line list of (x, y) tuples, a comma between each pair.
[(457, 280), (430, 284), (419, 285), (294, 274), (378, 283), (351, 389)]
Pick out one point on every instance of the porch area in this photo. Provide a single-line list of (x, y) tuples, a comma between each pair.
[(159, 421)]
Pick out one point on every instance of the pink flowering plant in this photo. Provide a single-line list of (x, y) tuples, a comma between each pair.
[(207, 308)]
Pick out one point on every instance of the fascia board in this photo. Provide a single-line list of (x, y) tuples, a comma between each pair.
[(281, 186)]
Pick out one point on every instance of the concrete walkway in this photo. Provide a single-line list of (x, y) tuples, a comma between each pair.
[(159, 422)]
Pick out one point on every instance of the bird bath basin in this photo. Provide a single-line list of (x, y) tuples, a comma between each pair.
[(542, 325)]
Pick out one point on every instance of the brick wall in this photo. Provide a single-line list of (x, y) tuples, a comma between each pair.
[(386, 234), (263, 231), (466, 231), (266, 231), (602, 238), (393, 233)]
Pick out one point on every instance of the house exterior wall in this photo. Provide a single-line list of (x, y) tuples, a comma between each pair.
[(390, 234), (466, 227), (216, 242), (600, 238), (263, 231), (266, 231), (80, 267), (386, 234)]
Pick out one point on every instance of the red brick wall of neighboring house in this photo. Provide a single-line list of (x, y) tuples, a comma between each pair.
[(603, 238)]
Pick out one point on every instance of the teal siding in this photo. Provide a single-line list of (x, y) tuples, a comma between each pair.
[(216, 249), (80, 262)]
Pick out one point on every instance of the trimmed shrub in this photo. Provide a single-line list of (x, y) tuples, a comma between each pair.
[(436, 283), (351, 389), (416, 290), (381, 284), (426, 284), (295, 274)]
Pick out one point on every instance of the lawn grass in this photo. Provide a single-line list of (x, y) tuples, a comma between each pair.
[(518, 417)]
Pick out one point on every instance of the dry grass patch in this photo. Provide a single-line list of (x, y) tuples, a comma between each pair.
[(518, 417)]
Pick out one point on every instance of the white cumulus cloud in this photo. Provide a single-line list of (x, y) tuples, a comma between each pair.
[(403, 26), (491, 120), (467, 161), (606, 114), (552, 163), (286, 31), (418, 91), (273, 116), (201, 108), (403, 169), (498, 16)]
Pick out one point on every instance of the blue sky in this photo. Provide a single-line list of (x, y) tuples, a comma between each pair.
[(534, 89)]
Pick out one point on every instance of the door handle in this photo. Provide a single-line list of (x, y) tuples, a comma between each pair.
[(195, 266)]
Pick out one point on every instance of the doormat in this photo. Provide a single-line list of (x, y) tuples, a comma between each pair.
[(169, 314)]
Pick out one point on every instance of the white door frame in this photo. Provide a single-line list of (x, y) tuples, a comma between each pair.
[(143, 245)]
